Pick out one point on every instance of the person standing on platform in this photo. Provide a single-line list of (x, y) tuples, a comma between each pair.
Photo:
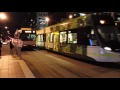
[(15, 46), (11, 47), (0, 46), (19, 46)]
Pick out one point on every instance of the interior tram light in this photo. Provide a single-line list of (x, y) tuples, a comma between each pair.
[(102, 21)]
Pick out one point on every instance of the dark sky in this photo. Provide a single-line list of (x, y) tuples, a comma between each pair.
[(16, 20)]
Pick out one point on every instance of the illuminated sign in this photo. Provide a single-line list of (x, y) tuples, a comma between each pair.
[(27, 31)]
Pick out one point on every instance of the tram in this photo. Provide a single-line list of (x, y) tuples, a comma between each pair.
[(28, 37), (91, 37)]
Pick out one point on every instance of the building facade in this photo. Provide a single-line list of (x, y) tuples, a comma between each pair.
[(41, 22)]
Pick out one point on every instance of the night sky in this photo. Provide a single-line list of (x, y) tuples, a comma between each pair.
[(16, 20)]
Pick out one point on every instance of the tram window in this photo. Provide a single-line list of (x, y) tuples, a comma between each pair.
[(38, 38), (63, 36), (72, 37), (33, 36), (108, 33), (23, 37), (51, 37), (41, 38), (103, 20)]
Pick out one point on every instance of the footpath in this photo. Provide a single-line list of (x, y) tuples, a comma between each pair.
[(11, 66)]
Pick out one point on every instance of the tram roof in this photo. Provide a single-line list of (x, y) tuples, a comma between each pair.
[(69, 24), (81, 21)]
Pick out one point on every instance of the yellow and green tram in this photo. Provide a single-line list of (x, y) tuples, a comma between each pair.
[(92, 37)]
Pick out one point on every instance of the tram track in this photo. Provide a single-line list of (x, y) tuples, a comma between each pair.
[(51, 65)]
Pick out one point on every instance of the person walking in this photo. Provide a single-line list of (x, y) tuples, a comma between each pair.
[(11, 47), (19, 47), (0, 46)]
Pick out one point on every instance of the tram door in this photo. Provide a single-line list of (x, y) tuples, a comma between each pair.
[(55, 42), (93, 48)]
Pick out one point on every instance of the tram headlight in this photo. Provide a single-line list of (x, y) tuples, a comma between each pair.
[(107, 48)]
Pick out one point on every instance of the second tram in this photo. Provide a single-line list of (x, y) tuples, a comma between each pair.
[(92, 37)]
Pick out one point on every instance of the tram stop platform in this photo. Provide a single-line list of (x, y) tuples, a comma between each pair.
[(12, 67)]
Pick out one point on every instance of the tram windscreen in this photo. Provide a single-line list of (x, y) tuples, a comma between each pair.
[(28, 36), (103, 20), (109, 34)]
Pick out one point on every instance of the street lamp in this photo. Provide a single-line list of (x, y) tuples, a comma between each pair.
[(6, 27), (47, 20), (3, 16), (70, 16)]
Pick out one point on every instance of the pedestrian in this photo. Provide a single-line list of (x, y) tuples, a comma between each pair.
[(19, 47), (11, 47), (0, 46), (15, 41)]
